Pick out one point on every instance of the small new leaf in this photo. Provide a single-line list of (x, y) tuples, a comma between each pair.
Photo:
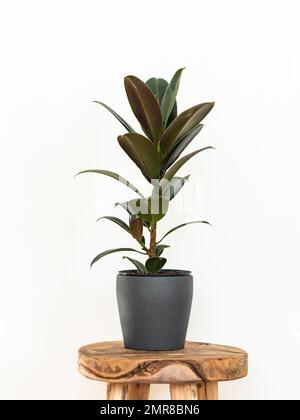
[(136, 228), (155, 264), (158, 87), (139, 266), (160, 249)]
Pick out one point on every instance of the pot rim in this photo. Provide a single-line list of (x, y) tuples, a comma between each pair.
[(162, 273)]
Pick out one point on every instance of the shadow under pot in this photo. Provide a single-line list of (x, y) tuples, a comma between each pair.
[(154, 309)]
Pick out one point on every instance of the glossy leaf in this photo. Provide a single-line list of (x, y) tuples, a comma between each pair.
[(158, 87), (169, 98), (117, 221), (114, 176), (136, 228), (139, 266), (177, 165), (180, 226), (118, 117), (143, 153), (176, 151), (144, 106), (173, 114), (183, 124), (160, 249), (155, 264), (112, 251)]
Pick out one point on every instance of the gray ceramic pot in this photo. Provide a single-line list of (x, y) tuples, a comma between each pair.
[(154, 309)]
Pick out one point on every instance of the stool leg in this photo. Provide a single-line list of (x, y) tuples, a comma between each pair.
[(208, 391), (128, 391), (116, 391), (183, 391), (138, 392)]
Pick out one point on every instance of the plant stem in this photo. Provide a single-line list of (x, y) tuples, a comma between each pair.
[(152, 247)]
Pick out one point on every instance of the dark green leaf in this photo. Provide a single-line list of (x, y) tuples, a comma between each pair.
[(111, 251), (144, 106), (139, 266), (158, 87), (173, 114), (177, 165), (119, 118), (169, 98), (114, 176), (180, 226), (179, 147), (117, 221), (136, 228), (155, 264), (160, 249), (183, 124), (143, 153)]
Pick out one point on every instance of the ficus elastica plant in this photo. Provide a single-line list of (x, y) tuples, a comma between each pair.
[(158, 152)]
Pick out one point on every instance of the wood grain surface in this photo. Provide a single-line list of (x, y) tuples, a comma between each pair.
[(196, 363)]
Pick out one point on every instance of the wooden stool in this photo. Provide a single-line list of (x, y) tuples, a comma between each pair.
[(193, 373)]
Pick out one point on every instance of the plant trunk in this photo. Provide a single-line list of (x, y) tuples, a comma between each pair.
[(152, 248)]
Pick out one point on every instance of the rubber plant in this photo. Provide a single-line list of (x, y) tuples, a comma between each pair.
[(158, 155)]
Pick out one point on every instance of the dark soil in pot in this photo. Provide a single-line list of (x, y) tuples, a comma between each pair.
[(154, 308)]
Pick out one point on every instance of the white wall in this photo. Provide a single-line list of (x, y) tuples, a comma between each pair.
[(57, 56)]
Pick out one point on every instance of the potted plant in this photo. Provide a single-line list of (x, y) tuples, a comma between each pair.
[(154, 304)]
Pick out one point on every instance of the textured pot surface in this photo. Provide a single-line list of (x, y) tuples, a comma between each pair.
[(154, 309)]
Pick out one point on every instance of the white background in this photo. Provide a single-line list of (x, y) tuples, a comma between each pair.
[(58, 56)]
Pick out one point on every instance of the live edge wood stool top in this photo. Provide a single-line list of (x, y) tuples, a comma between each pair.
[(192, 372)]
